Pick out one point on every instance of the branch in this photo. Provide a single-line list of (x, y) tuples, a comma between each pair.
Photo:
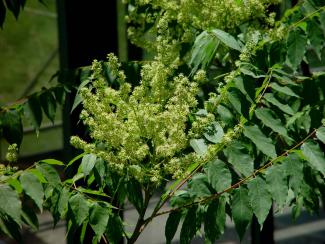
[(306, 17), (140, 223), (239, 183)]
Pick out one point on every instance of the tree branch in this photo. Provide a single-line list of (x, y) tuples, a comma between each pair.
[(239, 183)]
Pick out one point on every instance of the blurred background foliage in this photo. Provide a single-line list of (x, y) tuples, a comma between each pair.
[(29, 59)]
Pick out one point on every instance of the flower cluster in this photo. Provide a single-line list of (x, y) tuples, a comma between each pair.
[(174, 22), (143, 130), (12, 153)]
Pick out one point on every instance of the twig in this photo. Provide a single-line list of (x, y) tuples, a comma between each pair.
[(306, 17)]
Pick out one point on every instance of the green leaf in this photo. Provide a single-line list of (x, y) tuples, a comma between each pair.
[(241, 211), (276, 179), (322, 18), (11, 228), (219, 175), (50, 174), (269, 119), (91, 192), (199, 146), (201, 113), (10, 204), (171, 225), (77, 101), (227, 39), (39, 175), (296, 46), (215, 219), (75, 178), (203, 52), (284, 107), (63, 202), (294, 169), (260, 198), (12, 127), (100, 171), (315, 36), (283, 89), (308, 186), (52, 161), (15, 184), (246, 87), (30, 218), (309, 6), (33, 188), (79, 208), (95, 240), (225, 114), (173, 186), (134, 194), (59, 93), (239, 102), (240, 158), (48, 104), (189, 226), (75, 159), (199, 185), (297, 207), (180, 198), (52, 199), (88, 163), (314, 155), (85, 81), (320, 133), (33, 112), (98, 219), (263, 143), (114, 230), (83, 231), (214, 133)]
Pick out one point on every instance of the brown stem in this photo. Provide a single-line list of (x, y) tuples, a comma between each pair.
[(140, 223)]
